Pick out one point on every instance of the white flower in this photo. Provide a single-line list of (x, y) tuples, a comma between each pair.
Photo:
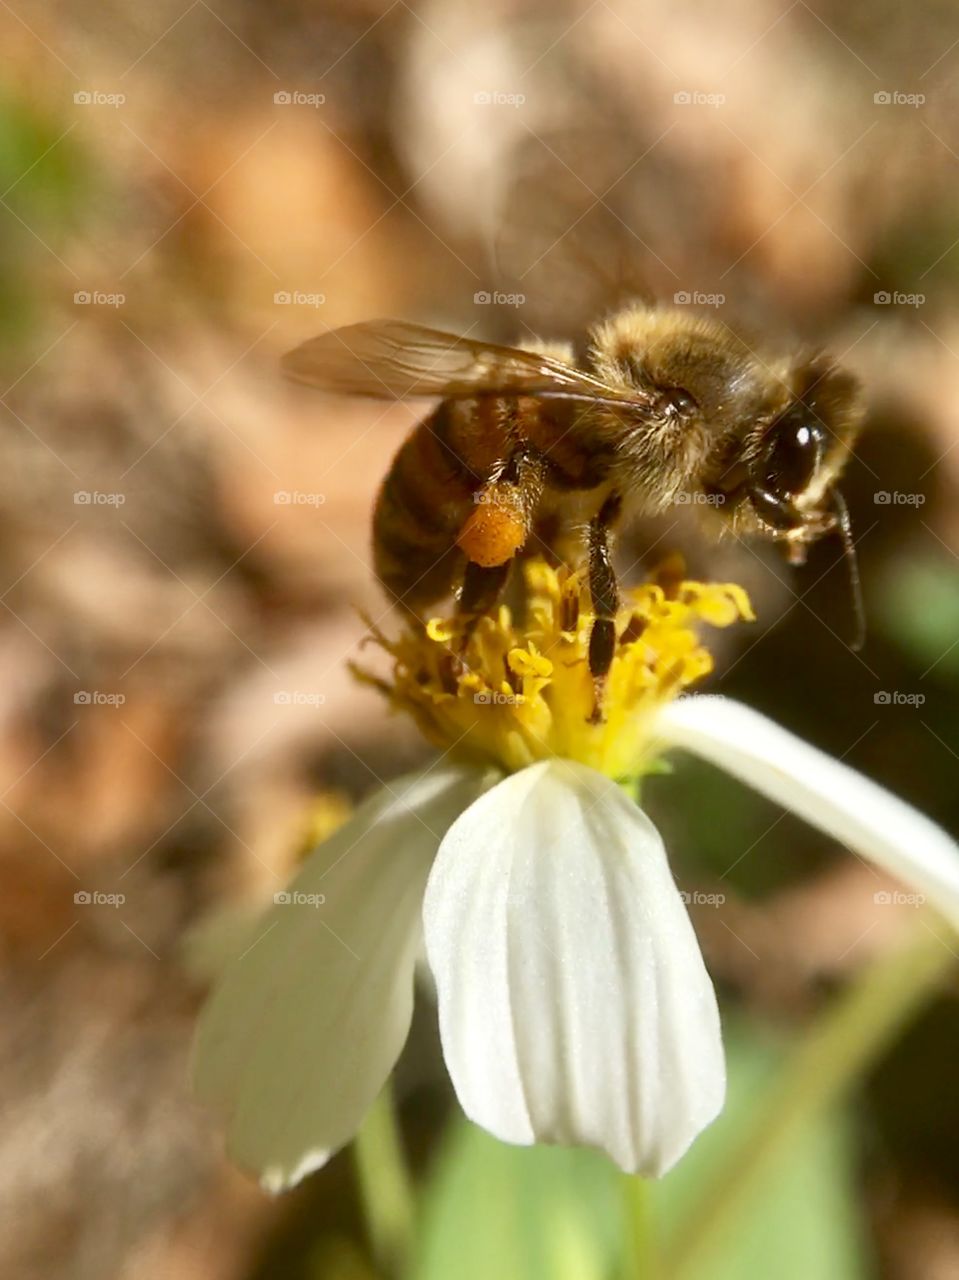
[(574, 1004)]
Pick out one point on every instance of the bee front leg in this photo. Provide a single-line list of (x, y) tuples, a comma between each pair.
[(604, 592)]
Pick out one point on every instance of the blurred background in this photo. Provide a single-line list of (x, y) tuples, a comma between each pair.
[(189, 189)]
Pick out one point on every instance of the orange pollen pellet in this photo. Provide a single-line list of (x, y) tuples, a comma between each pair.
[(495, 529)]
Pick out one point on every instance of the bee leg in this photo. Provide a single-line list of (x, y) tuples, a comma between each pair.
[(604, 592), (482, 587), (496, 529)]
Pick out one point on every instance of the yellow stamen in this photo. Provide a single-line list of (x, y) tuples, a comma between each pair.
[(513, 694)]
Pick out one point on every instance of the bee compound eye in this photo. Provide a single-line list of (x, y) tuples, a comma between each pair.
[(679, 403), (793, 454)]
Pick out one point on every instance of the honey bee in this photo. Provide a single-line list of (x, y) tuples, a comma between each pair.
[(663, 407)]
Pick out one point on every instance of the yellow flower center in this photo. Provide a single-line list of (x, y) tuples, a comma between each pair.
[(510, 694)]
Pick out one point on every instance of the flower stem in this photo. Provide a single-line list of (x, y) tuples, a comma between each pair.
[(642, 1260), (841, 1044), (386, 1188)]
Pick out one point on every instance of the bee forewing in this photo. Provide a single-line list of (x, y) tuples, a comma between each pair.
[(395, 360)]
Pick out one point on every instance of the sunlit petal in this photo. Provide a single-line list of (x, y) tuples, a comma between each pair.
[(858, 812), (305, 1025), (574, 1004)]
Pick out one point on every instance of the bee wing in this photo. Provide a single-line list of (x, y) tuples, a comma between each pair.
[(395, 360)]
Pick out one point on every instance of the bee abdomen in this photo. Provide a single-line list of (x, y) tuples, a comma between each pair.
[(422, 505)]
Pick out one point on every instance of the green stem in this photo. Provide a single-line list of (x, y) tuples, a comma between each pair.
[(642, 1260), (836, 1050), (386, 1188)]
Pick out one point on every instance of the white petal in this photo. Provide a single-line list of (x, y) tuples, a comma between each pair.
[(574, 1004), (304, 1027), (859, 813)]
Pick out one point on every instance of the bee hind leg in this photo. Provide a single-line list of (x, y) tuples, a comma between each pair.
[(604, 592), (496, 529), (482, 588)]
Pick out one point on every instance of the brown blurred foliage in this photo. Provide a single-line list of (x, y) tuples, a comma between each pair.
[(222, 214)]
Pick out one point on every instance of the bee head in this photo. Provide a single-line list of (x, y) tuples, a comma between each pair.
[(782, 482), (765, 436), (761, 438), (783, 485)]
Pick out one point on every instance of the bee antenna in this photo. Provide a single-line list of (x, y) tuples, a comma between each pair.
[(844, 525)]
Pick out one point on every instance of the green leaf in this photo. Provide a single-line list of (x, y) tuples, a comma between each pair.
[(518, 1213), (805, 1221), (46, 181), (919, 609)]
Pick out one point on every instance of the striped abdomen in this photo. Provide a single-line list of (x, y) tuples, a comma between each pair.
[(428, 495), (430, 491)]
